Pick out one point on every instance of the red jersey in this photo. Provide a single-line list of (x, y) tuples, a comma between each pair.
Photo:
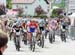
[(33, 25), (23, 25)]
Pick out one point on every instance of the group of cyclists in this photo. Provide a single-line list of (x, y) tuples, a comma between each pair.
[(35, 30)]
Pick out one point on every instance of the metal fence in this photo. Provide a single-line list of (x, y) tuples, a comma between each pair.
[(72, 32)]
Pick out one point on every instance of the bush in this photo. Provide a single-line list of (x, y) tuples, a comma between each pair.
[(39, 10), (60, 16), (9, 4), (56, 13), (41, 16)]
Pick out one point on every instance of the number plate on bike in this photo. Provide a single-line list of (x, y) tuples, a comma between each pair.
[(63, 30), (17, 33), (25, 30)]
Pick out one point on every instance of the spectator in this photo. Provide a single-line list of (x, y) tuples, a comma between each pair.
[(3, 41), (4, 23)]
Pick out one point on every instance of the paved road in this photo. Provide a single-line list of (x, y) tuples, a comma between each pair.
[(57, 48)]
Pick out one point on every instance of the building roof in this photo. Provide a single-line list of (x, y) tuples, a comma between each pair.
[(23, 1)]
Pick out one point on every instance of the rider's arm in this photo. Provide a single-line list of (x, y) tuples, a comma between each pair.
[(3, 25), (38, 30)]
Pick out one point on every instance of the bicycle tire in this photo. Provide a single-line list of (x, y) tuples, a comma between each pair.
[(17, 44), (42, 41), (50, 39), (33, 44)]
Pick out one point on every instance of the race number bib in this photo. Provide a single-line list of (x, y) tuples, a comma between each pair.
[(17, 33), (25, 30)]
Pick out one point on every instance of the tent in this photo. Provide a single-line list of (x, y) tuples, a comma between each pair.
[(11, 13)]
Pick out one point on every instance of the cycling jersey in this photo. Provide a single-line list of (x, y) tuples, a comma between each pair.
[(65, 25), (42, 25), (23, 25), (32, 27), (52, 24)]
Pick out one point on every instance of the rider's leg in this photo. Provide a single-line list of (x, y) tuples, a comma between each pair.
[(29, 37)]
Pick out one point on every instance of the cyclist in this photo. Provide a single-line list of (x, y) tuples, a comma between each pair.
[(65, 25), (42, 26), (12, 30), (17, 33), (32, 27), (52, 26), (23, 24), (24, 31)]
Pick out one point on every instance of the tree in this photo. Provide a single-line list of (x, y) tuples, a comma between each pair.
[(9, 4), (39, 10), (20, 12), (57, 13)]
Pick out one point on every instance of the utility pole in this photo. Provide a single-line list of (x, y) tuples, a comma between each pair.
[(67, 7), (49, 7)]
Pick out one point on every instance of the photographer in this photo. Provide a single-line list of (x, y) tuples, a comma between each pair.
[(3, 41)]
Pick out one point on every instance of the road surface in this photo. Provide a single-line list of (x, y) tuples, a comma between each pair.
[(57, 48)]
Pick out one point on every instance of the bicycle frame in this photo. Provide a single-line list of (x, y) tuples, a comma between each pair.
[(52, 36), (33, 41), (63, 35)]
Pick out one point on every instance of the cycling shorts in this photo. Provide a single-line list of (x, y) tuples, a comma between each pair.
[(32, 30), (41, 28)]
